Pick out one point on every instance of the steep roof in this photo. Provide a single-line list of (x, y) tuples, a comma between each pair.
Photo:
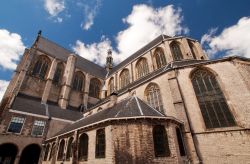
[(61, 53), (129, 107), (34, 106), (139, 52)]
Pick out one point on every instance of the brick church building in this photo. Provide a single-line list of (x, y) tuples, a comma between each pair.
[(166, 103)]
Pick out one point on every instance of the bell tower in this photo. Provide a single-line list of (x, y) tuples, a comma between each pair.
[(109, 60)]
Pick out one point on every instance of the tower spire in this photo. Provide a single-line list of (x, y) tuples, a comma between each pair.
[(109, 60)]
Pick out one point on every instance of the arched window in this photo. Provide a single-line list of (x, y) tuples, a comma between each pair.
[(41, 67), (69, 149), (46, 153), (61, 150), (180, 142), (211, 100), (160, 58), (111, 85), (83, 147), (176, 51), (160, 138), (100, 143), (193, 50), (94, 88), (52, 151), (142, 68), (78, 83), (58, 73), (153, 96), (124, 78)]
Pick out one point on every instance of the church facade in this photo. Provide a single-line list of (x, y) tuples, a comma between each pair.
[(166, 103)]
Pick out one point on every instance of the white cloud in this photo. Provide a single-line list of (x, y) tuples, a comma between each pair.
[(3, 86), (233, 40), (95, 52), (90, 12), (54, 7), (144, 24), (11, 48)]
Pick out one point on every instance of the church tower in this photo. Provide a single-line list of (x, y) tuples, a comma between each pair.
[(109, 60)]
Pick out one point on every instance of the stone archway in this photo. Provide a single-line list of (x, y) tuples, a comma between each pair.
[(8, 152), (30, 154)]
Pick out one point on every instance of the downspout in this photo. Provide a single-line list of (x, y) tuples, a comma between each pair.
[(195, 140), (45, 132)]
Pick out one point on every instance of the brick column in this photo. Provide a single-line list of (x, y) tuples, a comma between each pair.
[(67, 80), (49, 81)]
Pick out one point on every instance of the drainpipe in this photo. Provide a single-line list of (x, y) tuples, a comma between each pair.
[(195, 140), (45, 132)]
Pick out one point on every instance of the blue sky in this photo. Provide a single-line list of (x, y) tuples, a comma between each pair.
[(91, 27)]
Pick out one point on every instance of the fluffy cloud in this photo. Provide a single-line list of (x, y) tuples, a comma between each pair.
[(233, 40), (54, 7), (11, 48), (144, 24), (3, 87), (95, 52), (90, 11)]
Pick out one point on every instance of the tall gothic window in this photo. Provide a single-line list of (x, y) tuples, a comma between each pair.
[(111, 85), (83, 147), (193, 50), (100, 143), (78, 82), (142, 68), (176, 51), (160, 58), (46, 153), (61, 150), (69, 149), (58, 73), (180, 142), (153, 96), (52, 151), (41, 67), (213, 106), (124, 78), (94, 88), (161, 146)]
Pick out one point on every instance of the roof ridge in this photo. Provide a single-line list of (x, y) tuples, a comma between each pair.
[(60, 46)]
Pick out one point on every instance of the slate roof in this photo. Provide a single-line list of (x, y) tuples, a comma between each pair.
[(129, 107), (34, 106), (61, 53), (139, 52)]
